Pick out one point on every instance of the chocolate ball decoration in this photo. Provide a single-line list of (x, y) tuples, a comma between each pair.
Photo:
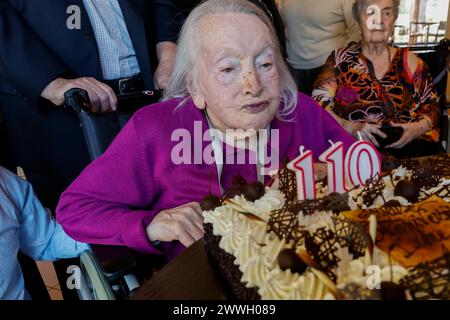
[(408, 190), (210, 202), (389, 163), (288, 259), (254, 191), (392, 291)]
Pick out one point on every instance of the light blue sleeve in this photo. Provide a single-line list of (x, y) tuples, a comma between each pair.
[(40, 237)]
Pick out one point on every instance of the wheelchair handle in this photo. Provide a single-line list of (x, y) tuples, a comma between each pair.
[(77, 99)]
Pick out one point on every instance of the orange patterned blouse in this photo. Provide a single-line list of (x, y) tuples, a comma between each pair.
[(348, 87)]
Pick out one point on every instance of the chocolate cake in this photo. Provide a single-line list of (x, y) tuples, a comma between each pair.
[(269, 245)]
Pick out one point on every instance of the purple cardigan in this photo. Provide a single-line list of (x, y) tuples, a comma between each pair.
[(117, 196)]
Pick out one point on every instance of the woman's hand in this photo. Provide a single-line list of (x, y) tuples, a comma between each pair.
[(183, 223), (367, 131), (411, 131)]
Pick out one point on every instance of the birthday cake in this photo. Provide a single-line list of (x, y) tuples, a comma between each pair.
[(387, 239)]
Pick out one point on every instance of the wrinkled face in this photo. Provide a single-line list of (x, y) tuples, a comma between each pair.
[(377, 21), (236, 78)]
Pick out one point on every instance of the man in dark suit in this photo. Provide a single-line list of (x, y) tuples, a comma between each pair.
[(50, 46), (45, 51)]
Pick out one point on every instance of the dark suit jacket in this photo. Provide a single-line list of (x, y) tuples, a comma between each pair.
[(36, 47)]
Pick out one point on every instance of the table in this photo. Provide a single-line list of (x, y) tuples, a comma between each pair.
[(189, 276)]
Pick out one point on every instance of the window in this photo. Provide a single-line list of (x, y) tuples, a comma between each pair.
[(421, 22)]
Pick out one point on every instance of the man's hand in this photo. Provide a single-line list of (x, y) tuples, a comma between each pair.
[(411, 131), (163, 73), (101, 96), (166, 52), (183, 223)]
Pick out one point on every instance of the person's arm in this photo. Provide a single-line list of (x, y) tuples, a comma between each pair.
[(427, 111), (325, 86), (104, 205), (40, 237), (428, 106), (111, 201), (25, 60), (34, 70), (166, 31), (353, 30), (324, 90), (165, 20), (166, 52)]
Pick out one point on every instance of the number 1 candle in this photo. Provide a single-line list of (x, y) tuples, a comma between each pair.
[(304, 173)]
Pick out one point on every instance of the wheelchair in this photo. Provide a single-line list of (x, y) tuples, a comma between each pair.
[(110, 272)]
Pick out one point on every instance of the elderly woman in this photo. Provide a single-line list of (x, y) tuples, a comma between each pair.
[(379, 90), (229, 74)]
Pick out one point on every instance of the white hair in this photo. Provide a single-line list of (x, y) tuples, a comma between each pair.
[(188, 49)]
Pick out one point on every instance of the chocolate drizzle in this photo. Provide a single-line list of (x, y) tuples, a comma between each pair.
[(288, 183), (441, 163), (372, 189), (307, 207), (426, 175), (352, 236), (284, 223), (443, 192), (412, 234), (429, 280), (410, 164), (237, 188), (321, 247)]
